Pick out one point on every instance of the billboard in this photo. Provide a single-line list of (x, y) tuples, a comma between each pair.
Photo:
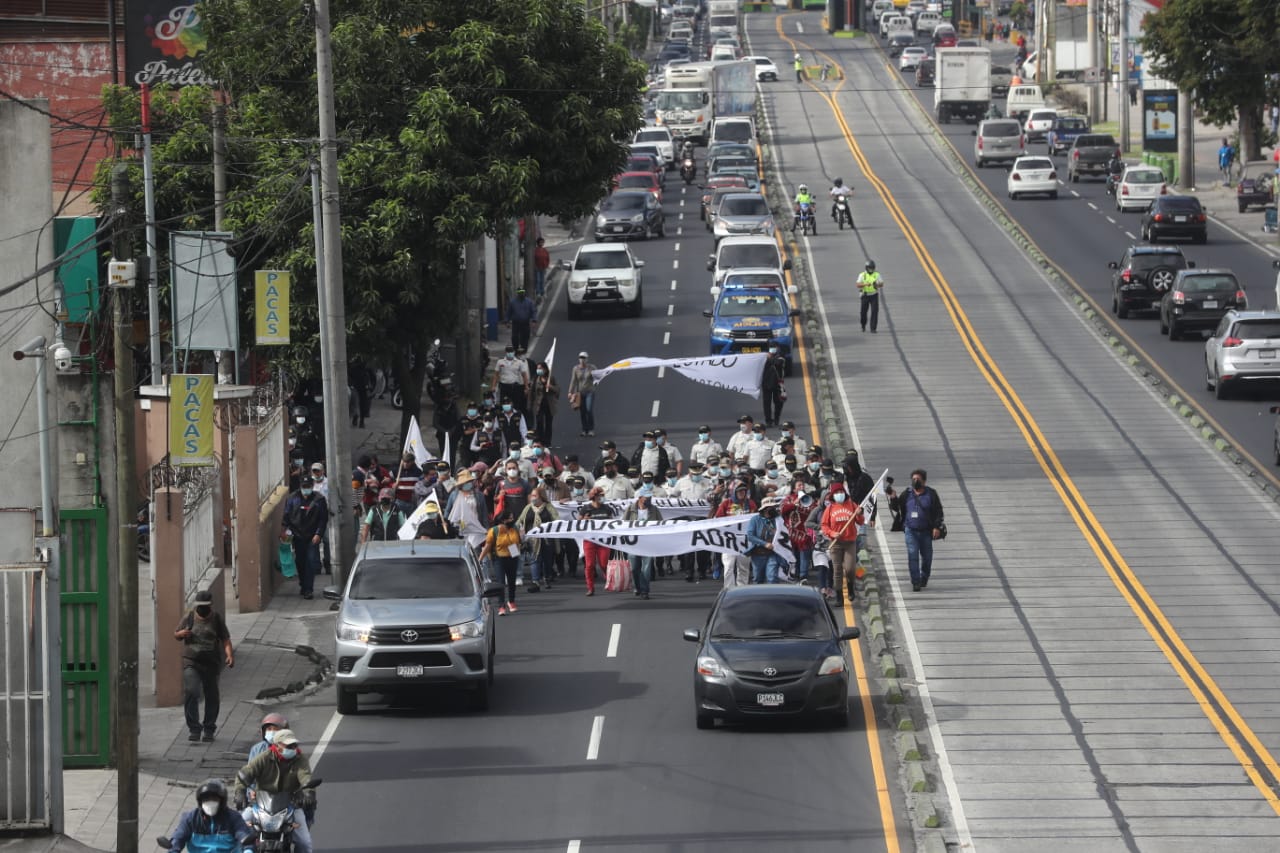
[(162, 41), (1160, 120), (271, 306), (203, 275)]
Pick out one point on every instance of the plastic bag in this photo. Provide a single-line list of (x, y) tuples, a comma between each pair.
[(288, 567)]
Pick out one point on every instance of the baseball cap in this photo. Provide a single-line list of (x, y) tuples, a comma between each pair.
[(307, 481), (204, 596), (607, 445), (285, 737), (582, 354)]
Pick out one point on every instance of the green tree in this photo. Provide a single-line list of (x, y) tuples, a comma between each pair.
[(453, 119), (1222, 52)]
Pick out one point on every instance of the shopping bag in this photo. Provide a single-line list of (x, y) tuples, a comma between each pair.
[(617, 576), (288, 567)]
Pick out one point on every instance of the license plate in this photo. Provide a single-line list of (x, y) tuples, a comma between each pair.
[(1210, 303), (601, 294), (615, 228), (1266, 354), (409, 670), (753, 349), (1179, 219), (770, 700)]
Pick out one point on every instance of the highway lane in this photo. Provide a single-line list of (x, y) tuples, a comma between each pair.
[(1075, 661), (528, 774), (1084, 216)]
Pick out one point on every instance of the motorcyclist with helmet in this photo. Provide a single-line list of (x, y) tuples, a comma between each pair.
[(838, 191), (803, 197), (281, 768), (210, 827)]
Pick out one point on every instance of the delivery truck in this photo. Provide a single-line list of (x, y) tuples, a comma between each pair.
[(962, 83)]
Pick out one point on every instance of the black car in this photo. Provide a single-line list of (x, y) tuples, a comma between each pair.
[(1175, 216), (1142, 275), (771, 652), (925, 72), (1255, 185), (898, 42), (630, 213), (1198, 299)]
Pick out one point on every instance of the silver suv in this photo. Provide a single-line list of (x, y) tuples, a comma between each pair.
[(1244, 347), (998, 140), (413, 614)]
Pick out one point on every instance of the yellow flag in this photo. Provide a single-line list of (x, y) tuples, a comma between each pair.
[(271, 300), (190, 420)]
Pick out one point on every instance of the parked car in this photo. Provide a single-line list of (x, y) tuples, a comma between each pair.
[(1256, 188), (770, 651), (1138, 187), (1175, 216), (1198, 299), (1245, 347), (414, 614), (998, 140), (1142, 276), (1032, 176), (604, 275)]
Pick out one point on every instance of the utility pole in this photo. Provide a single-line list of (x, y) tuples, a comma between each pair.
[(149, 196), (332, 306), (1186, 141), (126, 544), (1091, 60), (1122, 106), (226, 371)]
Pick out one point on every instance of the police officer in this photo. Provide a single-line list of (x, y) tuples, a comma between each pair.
[(870, 283), (799, 69)]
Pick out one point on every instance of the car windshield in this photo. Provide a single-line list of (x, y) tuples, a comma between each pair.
[(761, 618), (1035, 163), (644, 181), (602, 260), (640, 164), (1003, 128), (624, 201), (1208, 283), (738, 131), (760, 60), (1255, 329), (744, 207), (1072, 124), (412, 577), (752, 279), (745, 305), (748, 256), (679, 100), (1145, 176)]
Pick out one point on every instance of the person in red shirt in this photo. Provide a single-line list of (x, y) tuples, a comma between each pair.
[(840, 522), (737, 568), (541, 263), (795, 510)]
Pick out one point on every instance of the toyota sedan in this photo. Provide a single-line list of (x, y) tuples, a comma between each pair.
[(1032, 176), (771, 652)]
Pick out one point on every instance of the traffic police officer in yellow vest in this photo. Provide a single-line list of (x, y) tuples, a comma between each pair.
[(799, 68), (869, 285)]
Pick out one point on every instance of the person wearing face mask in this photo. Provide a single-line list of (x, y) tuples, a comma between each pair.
[(608, 453), (573, 468), (383, 522), (434, 525), (511, 379), (503, 544), (649, 456), (471, 422), (667, 487), (511, 422), (407, 477), (674, 457), (794, 512), (596, 557), (522, 313), (574, 489), (211, 827), (539, 455), (522, 456), (468, 511), (555, 488), (308, 443), (840, 522), (541, 553), (282, 768), (922, 523), (543, 396), (705, 450), (616, 486), (799, 446), (582, 393), (761, 530), (736, 567), (694, 486), (759, 450), (206, 646), (306, 518), (487, 443), (773, 391), (641, 512), (777, 477), (737, 444), (511, 493)]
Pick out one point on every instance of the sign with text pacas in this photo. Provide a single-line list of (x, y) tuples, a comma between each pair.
[(163, 39), (190, 420), (271, 306)]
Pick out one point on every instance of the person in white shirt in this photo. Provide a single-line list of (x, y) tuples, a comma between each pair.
[(736, 446), (616, 486), (695, 486), (667, 488), (839, 190), (759, 450), (515, 453), (788, 430), (776, 476), (705, 450), (573, 469), (674, 457)]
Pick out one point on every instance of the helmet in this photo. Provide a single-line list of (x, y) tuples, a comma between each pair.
[(871, 266), (212, 789), (804, 188), (838, 182), (797, 56), (277, 720), (299, 411)]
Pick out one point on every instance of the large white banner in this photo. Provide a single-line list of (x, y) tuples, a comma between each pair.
[(740, 372), (668, 508), (665, 538)]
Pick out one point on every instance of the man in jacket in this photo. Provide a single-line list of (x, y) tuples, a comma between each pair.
[(282, 768), (206, 646), (771, 384), (761, 530), (211, 827), (306, 517), (650, 457), (736, 567), (922, 523)]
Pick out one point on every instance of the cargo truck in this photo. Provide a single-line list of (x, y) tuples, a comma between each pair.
[(684, 107), (722, 19), (962, 83)]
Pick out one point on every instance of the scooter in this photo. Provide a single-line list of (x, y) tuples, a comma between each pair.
[(688, 170), (842, 212)]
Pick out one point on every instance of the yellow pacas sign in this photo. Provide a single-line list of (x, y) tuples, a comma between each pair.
[(190, 420), (271, 300)]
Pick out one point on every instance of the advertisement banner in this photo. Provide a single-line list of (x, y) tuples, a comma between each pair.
[(271, 305), (190, 420), (204, 291), (732, 372), (162, 41), (1160, 120)]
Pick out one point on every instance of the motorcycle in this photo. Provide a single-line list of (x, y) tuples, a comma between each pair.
[(688, 170), (842, 212), (804, 219), (271, 817), (439, 379)]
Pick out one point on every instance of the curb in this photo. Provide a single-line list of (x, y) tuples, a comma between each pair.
[(318, 677)]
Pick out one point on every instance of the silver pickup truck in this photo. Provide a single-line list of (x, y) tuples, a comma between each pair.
[(1089, 155)]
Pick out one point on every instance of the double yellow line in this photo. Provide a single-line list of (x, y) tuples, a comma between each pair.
[(1258, 763)]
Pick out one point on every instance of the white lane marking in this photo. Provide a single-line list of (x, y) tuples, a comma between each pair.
[(662, 370), (1112, 221), (325, 737), (666, 339), (673, 284), (799, 27), (675, 265), (615, 634), (1129, 234), (682, 202), (1076, 194), (679, 231), (654, 413), (593, 746), (1092, 205), (675, 247), (671, 310), (680, 216), (574, 846)]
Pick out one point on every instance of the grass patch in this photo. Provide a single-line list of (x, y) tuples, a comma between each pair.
[(848, 34)]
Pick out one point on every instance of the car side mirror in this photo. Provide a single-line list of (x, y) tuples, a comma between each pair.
[(692, 635), (711, 263), (331, 593), (1275, 264), (786, 265), (639, 264), (973, 133), (850, 634), (706, 313), (566, 265), (493, 590), (1113, 265)]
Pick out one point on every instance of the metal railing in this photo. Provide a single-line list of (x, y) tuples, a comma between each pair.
[(198, 543), (271, 455), (24, 700)]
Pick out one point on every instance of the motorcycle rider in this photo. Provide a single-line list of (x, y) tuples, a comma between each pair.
[(211, 827), (281, 768), (270, 724), (803, 197), (838, 191)]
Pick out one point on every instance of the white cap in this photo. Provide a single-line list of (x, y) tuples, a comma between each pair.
[(582, 354)]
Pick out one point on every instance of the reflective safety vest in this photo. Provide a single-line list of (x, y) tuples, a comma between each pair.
[(799, 63), (869, 283)]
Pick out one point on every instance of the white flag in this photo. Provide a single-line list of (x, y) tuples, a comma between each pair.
[(868, 505), (413, 443), (448, 452), (734, 372), (551, 357)]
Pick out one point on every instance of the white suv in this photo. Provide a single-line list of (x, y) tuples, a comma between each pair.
[(604, 274), (662, 139)]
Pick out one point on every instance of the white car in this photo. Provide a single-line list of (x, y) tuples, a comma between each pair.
[(661, 138), (604, 274), (1138, 186), (1245, 347), (765, 69), (1033, 176), (911, 58), (1038, 124)]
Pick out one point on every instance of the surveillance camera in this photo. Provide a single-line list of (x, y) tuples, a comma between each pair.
[(62, 358)]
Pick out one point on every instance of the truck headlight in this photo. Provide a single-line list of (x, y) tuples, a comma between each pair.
[(353, 633), (721, 332), (467, 630)]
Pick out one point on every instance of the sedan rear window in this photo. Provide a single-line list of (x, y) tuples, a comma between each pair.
[(748, 256), (1095, 140), (1043, 115), (1183, 204), (1037, 163), (653, 136), (602, 260), (625, 201), (1252, 330), (1147, 262), (412, 578), (748, 619)]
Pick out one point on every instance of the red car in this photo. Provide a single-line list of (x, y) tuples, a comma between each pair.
[(645, 163), (639, 181)]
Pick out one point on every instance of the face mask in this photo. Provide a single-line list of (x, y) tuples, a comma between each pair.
[(773, 473), (432, 512), (577, 493), (512, 473), (466, 487), (697, 478), (916, 483), (515, 454), (506, 407), (288, 753), (758, 437), (662, 439), (635, 483), (786, 433), (541, 372), (510, 354), (773, 350), (648, 445), (300, 420), (725, 472), (839, 497), (537, 499), (671, 481), (488, 402), (648, 483), (471, 413), (791, 466), (604, 453), (537, 451), (204, 609), (488, 425), (550, 479), (306, 493), (814, 466), (386, 505), (704, 436), (746, 427), (645, 490), (210, 807)]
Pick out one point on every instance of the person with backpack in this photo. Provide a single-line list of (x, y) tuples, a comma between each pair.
[(206, 646), (383, 522)]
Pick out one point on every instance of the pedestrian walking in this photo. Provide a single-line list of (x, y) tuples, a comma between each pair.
[(206, 646), (543, 396), (794, 510), (761, 530), (541, 552), (1226, 157), (595, 556), (582, 393), (467, 510), (1133, 94), (641, 567), (522, 312), (772, 385), (541, 263), (383, 522), (870, 283), (736, 566), (306, 519), (922, 524), (840, 521), (511, 382), (503, 543)]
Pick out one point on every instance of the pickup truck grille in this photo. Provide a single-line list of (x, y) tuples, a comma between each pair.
[(410, 635)]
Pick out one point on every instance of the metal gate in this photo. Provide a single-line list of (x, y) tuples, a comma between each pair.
[(24, 699), (86, 651)]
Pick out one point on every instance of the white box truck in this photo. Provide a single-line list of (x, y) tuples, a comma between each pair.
[(962, 83), (684, 107), (722, 19)]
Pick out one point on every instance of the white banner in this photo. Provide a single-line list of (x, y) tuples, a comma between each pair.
[(664, 538), (740, 372), (668, 508)]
